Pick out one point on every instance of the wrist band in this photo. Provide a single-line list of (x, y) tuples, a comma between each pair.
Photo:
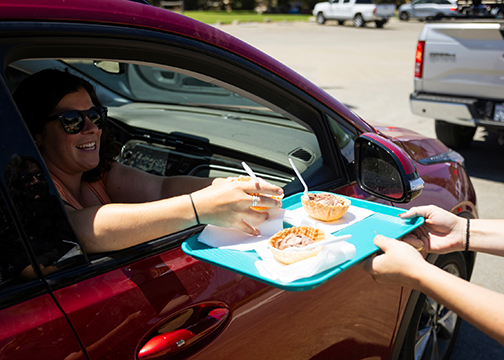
[(194, 208), (467, 237)]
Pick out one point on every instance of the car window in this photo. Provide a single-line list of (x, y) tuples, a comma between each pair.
[(31, 202), (172, 122), (345, 139), (364, 1)]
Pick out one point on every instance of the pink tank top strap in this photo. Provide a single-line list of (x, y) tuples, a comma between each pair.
[(98, 188), (66, 195)]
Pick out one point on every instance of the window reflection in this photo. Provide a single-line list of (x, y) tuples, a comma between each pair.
[(43, 222)]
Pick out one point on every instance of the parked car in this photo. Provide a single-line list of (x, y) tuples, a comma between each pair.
[(187, 98), (360, 12), (428, 9)]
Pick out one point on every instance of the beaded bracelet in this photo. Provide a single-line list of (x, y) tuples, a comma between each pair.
[(467, 237), (194, 208)]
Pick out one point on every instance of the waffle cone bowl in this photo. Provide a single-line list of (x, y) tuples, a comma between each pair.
[(289, 257), (247, 178), (324, 212)]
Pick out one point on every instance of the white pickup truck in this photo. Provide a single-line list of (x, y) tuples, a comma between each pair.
[(459, 79), (359, 11)]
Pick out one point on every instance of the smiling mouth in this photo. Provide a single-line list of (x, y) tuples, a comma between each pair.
[(89, 146)]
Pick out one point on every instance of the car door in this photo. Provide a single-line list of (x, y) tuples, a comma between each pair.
[(423, 8), (334, 9), (120, 302), (32, 323), (346, 9)]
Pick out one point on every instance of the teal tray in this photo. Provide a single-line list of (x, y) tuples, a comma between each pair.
[(385, 221)]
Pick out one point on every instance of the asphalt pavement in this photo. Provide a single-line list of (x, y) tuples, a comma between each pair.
[(371, 71)]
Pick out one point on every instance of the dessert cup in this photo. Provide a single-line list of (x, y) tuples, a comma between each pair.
[(324, 212), (289, 257)]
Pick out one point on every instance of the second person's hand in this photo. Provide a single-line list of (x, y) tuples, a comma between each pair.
[(442, 231)]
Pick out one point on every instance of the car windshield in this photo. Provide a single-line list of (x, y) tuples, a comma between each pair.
[(142, 83)]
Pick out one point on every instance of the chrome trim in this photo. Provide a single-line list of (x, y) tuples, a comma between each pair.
[(448, 156), (417, 184), (240, 172), (455, 113)]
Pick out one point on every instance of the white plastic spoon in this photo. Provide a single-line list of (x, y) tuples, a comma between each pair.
[(300, 178), (250, 172), (318, 243)]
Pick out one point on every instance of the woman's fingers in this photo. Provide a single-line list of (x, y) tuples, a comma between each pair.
[(234, 204), (424, 211), (249, 229), (396, 265), (383, 242), (261, 187), (415, 242), (261, 202)]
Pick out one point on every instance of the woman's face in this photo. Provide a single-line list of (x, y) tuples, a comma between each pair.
[(65, 153)]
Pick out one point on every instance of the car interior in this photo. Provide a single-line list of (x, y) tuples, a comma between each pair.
[(173, 122)]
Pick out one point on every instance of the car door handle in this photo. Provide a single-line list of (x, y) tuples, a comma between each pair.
[(177, 340)]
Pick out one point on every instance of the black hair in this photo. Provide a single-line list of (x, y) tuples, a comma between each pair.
[(39, 94)]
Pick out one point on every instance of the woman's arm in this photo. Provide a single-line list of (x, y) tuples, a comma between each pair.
[(121, 225), (402, 265), (487, 236), (117, 226)]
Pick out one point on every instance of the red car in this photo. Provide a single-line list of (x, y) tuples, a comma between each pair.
[(186, 98)]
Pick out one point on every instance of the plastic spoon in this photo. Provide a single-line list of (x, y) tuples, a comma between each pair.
[(319, 243), (250, 172), (300, 178)]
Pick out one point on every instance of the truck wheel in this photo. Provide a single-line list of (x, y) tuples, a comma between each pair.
[(404, 16), (320, 18), (454, 136), (433, 328), (379, 23), (358, 21)]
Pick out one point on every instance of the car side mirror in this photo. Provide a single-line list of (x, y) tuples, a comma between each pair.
[(383, 169)]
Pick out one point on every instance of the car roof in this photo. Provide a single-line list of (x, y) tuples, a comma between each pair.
[(139, 15)]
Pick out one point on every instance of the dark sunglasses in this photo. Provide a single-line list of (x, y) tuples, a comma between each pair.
[(73, 121)]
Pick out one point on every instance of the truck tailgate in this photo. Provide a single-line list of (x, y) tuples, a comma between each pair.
[(385, 10), (463, 59)]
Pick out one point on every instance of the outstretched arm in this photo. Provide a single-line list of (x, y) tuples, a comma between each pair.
[(402, 265), (123, 224), (444, 232)]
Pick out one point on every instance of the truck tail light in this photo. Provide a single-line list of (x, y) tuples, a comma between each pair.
[(374, 11), (419, 56)]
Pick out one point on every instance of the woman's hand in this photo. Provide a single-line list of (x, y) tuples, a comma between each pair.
[(227, 203), (400, 264), (442, 232)]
